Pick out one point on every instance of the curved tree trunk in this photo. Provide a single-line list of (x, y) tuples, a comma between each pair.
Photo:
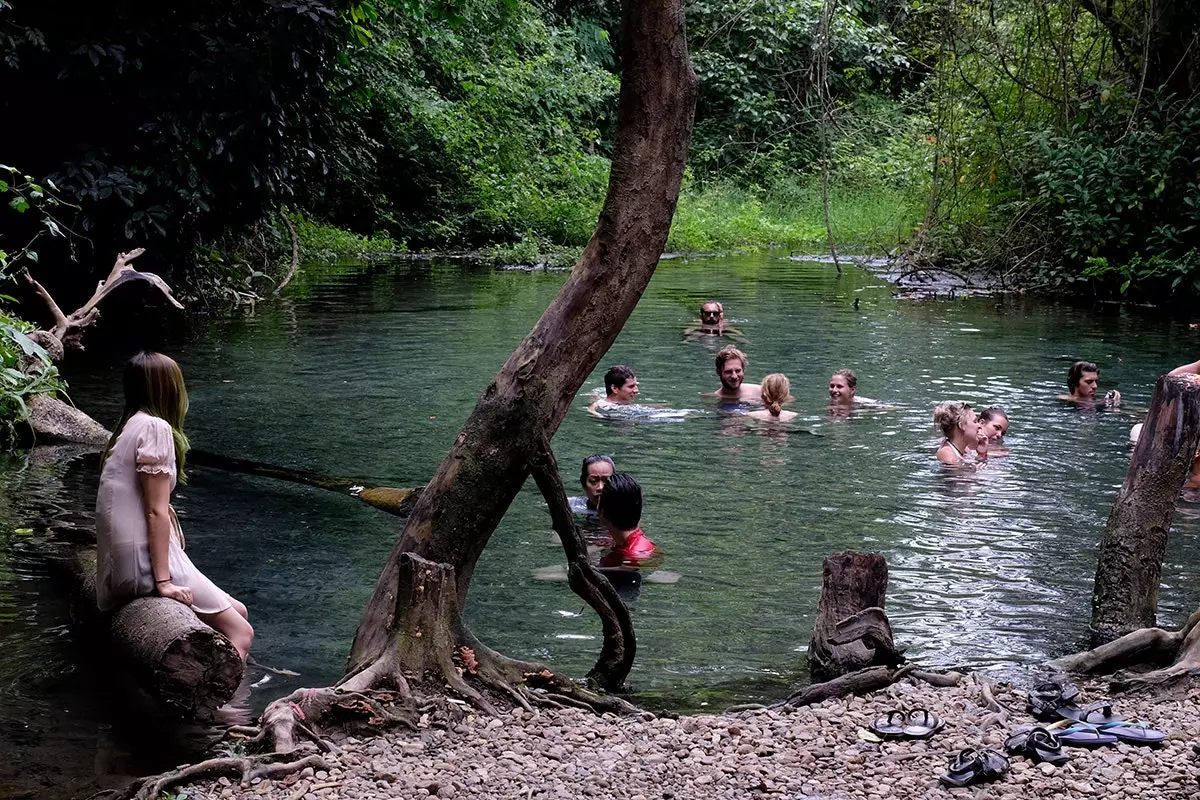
[(525, 403), (1129, 565)]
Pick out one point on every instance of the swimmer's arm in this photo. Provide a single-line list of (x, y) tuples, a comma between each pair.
[(592, 410), (948, 455), (1187, 369)]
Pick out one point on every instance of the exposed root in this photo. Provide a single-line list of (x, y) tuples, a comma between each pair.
[(1147, 645), (246, 768), (942, 680), (857, 682)]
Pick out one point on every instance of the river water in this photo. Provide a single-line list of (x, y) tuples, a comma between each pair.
[(370, 371)]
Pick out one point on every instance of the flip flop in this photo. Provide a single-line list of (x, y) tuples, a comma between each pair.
[(1098, 713), (1133, 732), (924, 725), (1084, 735), (892, 725)]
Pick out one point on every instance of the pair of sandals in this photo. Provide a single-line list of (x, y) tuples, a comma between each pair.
[(1049, 697), (900, 724), (973, 766), (1097, 725), (1036, 743)]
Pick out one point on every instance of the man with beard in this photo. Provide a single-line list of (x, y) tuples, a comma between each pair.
[(731, 369)]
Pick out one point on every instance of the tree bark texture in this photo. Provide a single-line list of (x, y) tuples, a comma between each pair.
[(852, 631), (1155, 41), (173, 656), (525, 403), (1129, 566)]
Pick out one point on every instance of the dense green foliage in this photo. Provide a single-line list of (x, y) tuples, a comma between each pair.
[(25, 370), (1054, 141)]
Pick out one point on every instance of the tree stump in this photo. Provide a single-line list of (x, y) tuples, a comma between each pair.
[(1129, 565), (852, 630)]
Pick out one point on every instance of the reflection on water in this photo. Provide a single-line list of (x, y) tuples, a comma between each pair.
[(372, 373)]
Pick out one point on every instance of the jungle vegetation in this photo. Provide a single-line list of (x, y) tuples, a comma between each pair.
[(1055, 143)]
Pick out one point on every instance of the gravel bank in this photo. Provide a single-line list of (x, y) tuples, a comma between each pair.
[(812, 752)]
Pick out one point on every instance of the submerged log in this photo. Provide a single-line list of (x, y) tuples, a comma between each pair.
[(852, 631), (1129, 565), (177, 659)]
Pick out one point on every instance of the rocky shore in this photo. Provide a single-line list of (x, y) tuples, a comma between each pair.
[(814, 752)]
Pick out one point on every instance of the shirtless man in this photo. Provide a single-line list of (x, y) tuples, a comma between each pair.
[(731, 369), (621, 389), (712, 323), (1082, 379)]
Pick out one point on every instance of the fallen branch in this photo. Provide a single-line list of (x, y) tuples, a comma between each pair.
[(245, 768), (858, 682), (295, 253)]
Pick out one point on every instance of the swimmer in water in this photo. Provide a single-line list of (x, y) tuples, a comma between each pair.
[(620, 510), (994, 424), (1083, 378), (712, 323), (776, 390), (621, 389), (960, 426), (596, 470), (731, 369)]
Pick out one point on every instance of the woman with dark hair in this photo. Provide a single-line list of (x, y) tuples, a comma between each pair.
[(620, 510), (993, 424), (596, 470), (139, 544)]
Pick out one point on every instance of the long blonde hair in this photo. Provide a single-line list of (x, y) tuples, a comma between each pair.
[(776, 390), (154, 384)]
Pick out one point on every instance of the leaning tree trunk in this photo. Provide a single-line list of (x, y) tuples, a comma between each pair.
[(852, 631), (525, 403), (1129, 566)]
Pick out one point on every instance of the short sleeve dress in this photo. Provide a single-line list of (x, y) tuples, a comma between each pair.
[(123, 569)]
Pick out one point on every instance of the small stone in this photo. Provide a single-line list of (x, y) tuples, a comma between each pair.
[(1047, 768)]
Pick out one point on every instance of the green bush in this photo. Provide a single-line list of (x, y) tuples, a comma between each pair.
[(25, 370)]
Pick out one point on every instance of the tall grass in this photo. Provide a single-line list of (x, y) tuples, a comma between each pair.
[(723, 217)]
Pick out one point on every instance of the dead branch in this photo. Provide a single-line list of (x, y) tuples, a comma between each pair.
[(67, 326), (858, 682), (295, 253)]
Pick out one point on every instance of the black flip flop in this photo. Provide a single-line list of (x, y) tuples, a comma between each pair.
[(1047, 698), (1098, 713), (891, 726), (922, 724)]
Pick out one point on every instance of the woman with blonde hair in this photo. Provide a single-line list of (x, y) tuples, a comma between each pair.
[(139, 544), (960, 426), (776, 390)]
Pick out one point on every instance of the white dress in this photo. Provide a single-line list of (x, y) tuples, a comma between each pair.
[(123, 569)]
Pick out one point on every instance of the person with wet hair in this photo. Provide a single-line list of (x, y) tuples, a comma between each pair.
[(960, 426), (712, 323), (776, 390), (139, 542), (620, 387), (620, 510), (594, 473), (842, 388), (731, 369), (993, 422), (1083, 378)]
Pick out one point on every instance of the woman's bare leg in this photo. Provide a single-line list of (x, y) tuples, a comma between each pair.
[(240, 607), (234, 626)]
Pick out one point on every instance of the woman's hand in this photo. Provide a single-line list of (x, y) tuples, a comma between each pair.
[(174, 592)]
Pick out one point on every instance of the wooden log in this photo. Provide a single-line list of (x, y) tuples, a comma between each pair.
[(1129, 565), (177, 659), (852, 631)]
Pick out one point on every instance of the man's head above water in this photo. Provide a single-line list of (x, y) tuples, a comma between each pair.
[(712, 314), (620, 384), (731, 367)]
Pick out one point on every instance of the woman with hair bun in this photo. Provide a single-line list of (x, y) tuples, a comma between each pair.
[(776, 390), (139, 544), (960, 426)]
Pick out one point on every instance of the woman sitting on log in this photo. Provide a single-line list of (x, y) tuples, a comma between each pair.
[(960, 426), (139, 544)]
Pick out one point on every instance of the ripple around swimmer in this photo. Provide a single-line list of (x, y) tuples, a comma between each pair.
[(371, 373)]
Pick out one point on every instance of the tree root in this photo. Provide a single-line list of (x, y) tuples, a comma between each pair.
[(1147, 645), (857, 682), (246, 768)]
